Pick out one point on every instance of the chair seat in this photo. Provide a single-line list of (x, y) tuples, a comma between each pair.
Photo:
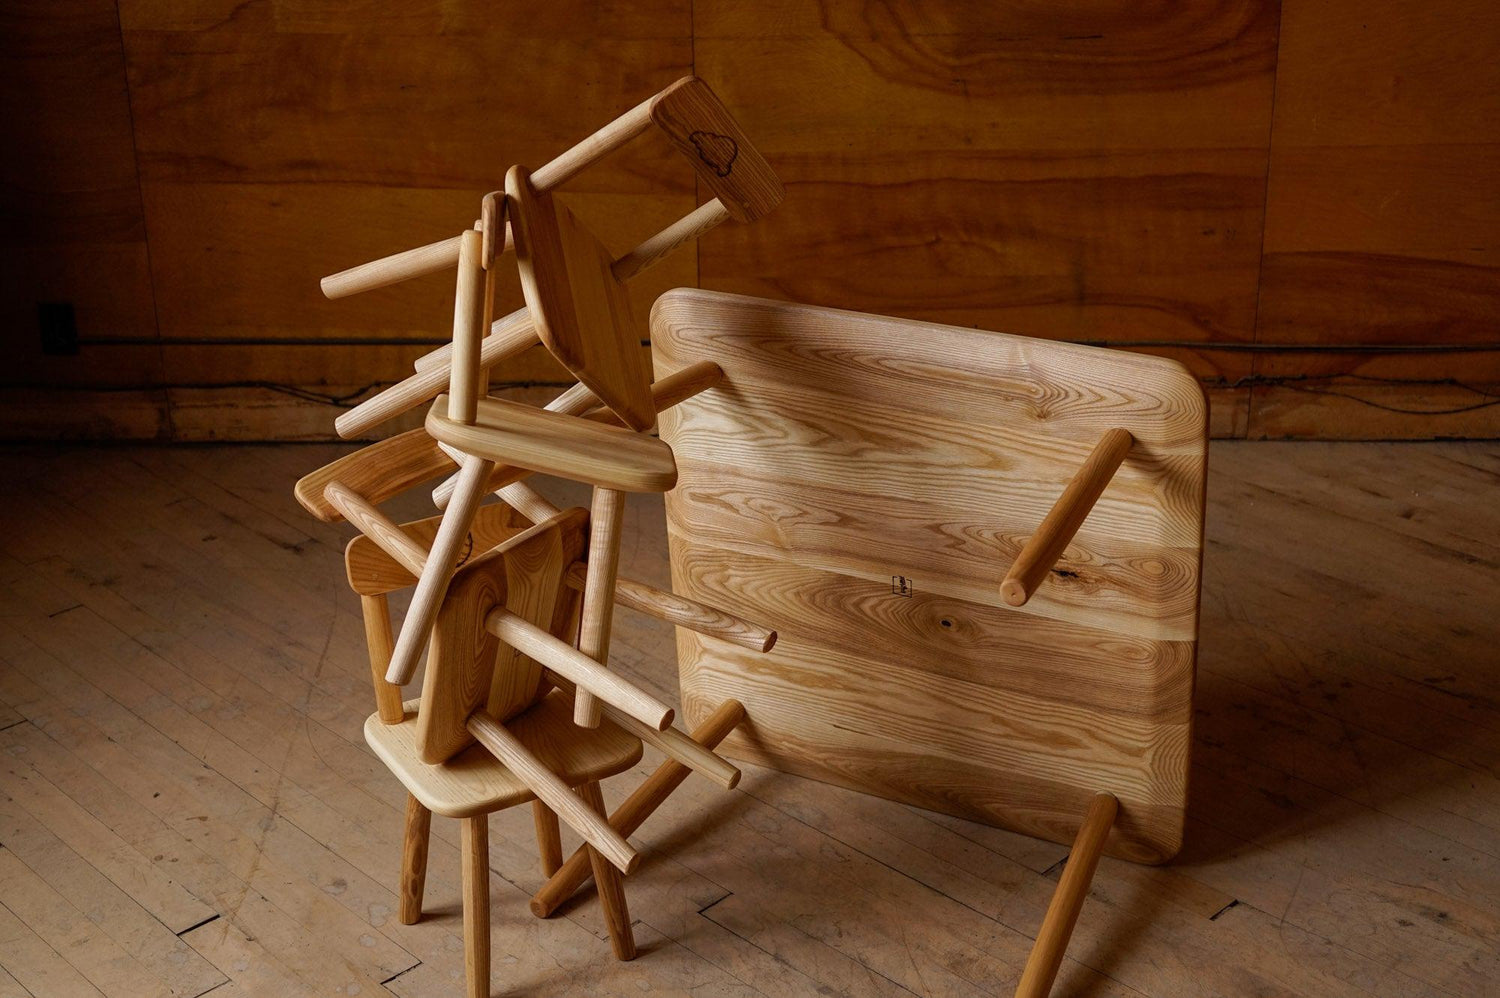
[(475, 782), (554, 443)]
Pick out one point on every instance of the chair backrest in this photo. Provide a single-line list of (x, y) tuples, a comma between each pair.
[(468, 668)]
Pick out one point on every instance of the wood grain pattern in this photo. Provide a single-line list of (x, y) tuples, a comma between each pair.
[(414, 843), (372, 572), (475, 782), (568, 446), (580, 311), (474, 853), (727, 163), (803, 496), (171, 623), (611, 887), (1078, 172), (466, 669)]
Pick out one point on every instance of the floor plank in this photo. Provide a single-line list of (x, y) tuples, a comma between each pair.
[(186, 801)]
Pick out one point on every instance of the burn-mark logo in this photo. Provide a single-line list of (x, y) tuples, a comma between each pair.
[(468, 549), (901, 586), (718, 151)]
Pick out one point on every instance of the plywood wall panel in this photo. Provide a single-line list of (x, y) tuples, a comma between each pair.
[(73, 230), (1094, 172), (1382, 211), (1090, 173)]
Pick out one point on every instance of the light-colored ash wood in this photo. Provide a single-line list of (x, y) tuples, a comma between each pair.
[(509, 336), (448, 547), (1043, 548), (383, 532), (491, 225), (418, 262), (860, 484), (1067, 901), (579, 669), (568, 446), (474, 861), (527, 501), (594, 148), (468, 328), (376, 612), (553, 789), (1312, 801), (372, 571), (611, 887), (703, 131), (690, 226), (476, 782), (392, 269), (1333, 765), (535, 564), (376, 472), (605, 517), (669, 741), (548, 837), (683, 612), (414, 845), (467, 668), (635, 809), (580, 311), (665, 393)]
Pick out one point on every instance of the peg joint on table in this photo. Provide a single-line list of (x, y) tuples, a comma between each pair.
[(1044, 547)]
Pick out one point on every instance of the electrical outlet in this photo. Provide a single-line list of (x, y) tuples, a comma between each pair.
[(59, 327)]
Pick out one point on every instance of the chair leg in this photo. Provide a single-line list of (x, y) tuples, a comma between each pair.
[(474, 838), (414, 860), (1067, 900), (548, 837), (610, 884)]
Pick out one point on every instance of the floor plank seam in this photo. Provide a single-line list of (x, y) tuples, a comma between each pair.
[(66, 609), (1232, 904), (782, 960), (715, 901), (211, 918)]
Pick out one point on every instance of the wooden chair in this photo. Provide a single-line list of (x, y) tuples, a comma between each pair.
[(576, 307), (493, 726)]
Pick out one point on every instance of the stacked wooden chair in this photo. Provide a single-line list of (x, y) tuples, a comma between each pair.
[(513, 600)]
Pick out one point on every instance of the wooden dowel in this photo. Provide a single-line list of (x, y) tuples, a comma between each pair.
[(375, 525), (392, 269), (528, 502), (441, 357), (683, 612), (377, 615), (414, 859), (552, 791), (1072, 888), (578, 668), (690, 226), (508, 336), (605, 518), (611, 889), (474, 859), (437, 572), (1067, 514), (397, 267), (636, 808), (548, 837), (671, 742), (468, 329), (578, 400), (603, 142)]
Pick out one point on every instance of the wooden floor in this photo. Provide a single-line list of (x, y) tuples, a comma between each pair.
[(187, 805)]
